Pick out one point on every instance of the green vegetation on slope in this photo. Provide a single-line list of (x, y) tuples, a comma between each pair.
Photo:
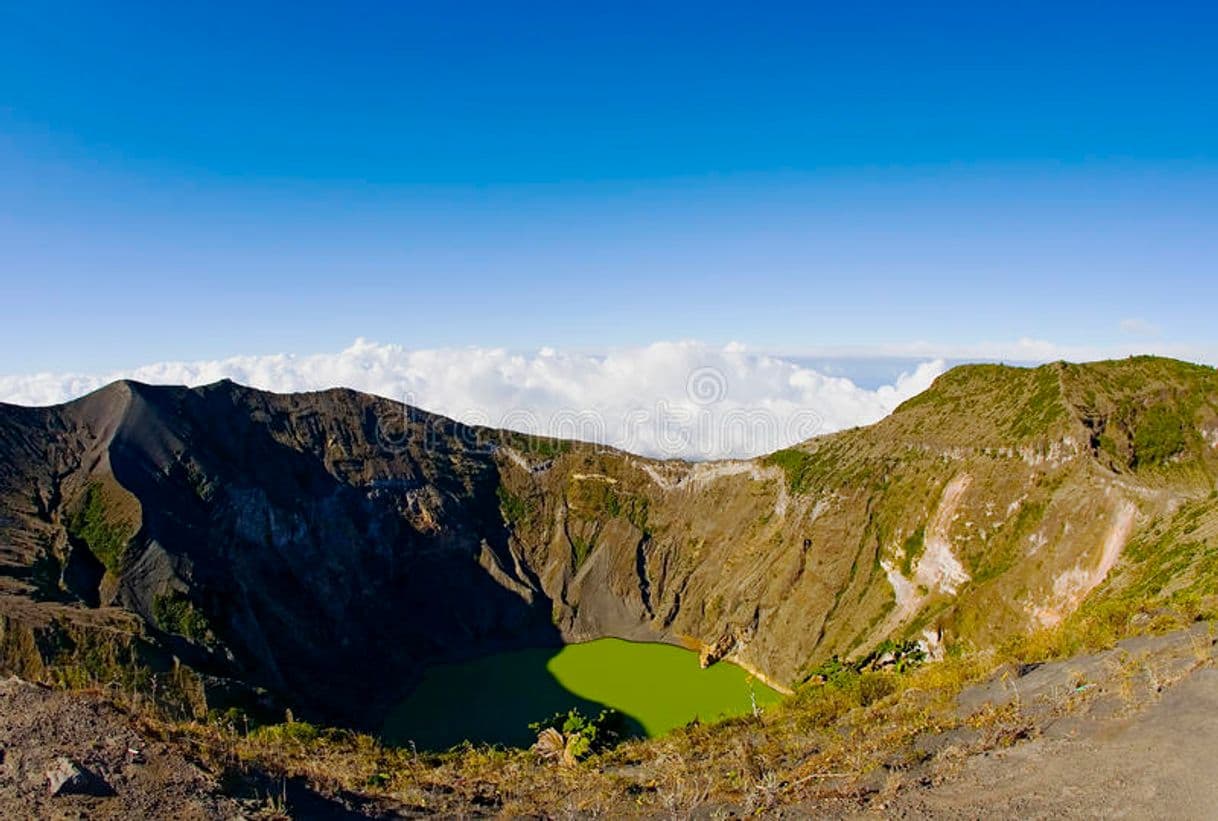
[(800, 467), (175, 613), (544, 447), (1160, 434), (997, 404), (593, 499), (592, 502), (516, 510), (1042, 405), (1172, 565), (912, 550), (104, 533), (581, 549), (582, 735), (1144, 412)]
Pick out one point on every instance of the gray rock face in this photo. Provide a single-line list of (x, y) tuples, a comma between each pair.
[(66, 777)]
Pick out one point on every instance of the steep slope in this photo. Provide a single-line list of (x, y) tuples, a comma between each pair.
[(326, 546), (273, 540)]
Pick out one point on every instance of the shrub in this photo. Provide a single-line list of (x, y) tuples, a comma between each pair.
[(584, 736), (875, 686)]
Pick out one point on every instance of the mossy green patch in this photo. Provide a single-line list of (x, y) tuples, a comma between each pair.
[(1161, 433), (102, 531), (1010, 541), (1042, 406), (174, 613), (913, 548), (516, 510), (592, 502), (581, 549), (299, 733), (597, 499), (798, 465)]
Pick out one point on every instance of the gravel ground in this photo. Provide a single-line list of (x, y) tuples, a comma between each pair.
[(39, 727), (1128, 733)]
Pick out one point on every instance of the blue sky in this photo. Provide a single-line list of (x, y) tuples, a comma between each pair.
[(192, 181)]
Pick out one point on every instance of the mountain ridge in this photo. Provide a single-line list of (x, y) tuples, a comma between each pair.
[(289, 548)]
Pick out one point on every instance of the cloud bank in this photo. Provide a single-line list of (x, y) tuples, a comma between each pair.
[(669, 399)]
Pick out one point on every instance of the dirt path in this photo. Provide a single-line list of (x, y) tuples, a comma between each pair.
[(1131, 733), (1161, 764)]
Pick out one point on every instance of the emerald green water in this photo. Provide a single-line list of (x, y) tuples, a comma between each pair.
[(494, 699)]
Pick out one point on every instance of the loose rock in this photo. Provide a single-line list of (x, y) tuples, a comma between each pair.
[(66, 777)]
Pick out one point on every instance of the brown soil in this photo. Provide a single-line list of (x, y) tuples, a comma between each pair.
[(38, 726)]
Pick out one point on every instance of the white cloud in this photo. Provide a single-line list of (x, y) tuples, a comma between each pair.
[(673, 399)]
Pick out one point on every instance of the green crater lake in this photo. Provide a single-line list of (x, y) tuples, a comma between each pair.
[(494, 699)]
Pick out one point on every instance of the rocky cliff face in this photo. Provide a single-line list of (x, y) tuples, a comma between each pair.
[(324, 547)]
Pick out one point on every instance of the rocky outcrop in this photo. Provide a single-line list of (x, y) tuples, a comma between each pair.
[(66, 777), (713, 652)]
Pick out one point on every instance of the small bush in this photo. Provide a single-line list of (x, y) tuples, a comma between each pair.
[(585, 736), (875, 686)]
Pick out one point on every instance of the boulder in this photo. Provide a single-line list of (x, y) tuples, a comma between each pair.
[(66, 777)]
